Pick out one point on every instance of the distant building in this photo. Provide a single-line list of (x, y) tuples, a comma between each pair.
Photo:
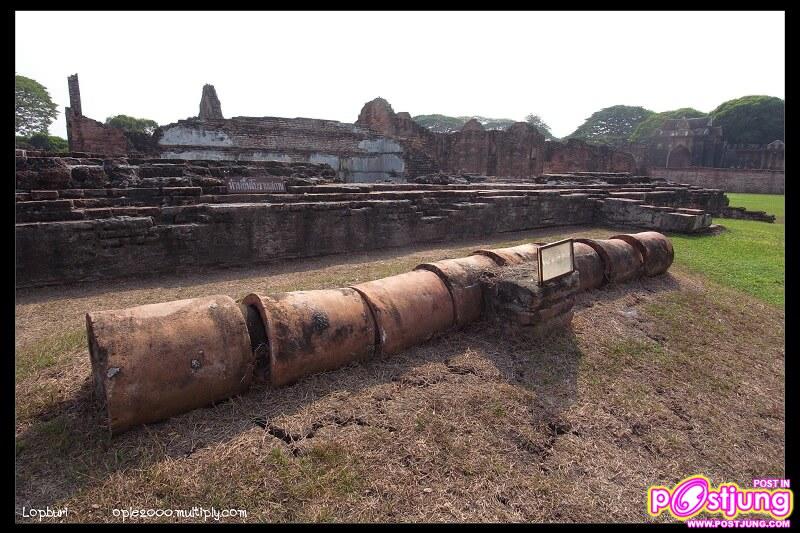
[(697, 142), (686, 142)]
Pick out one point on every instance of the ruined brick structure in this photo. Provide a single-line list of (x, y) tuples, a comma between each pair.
[(727, 179), (515, 152), (210, 108), (87, 135), (755, 156), (686, 142), (577, 156), (82, 217), (383, 145), (698, 143)]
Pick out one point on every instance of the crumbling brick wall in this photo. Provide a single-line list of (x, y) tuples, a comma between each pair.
[(515, 152), (87, 135), (91, 136), (727, 179), (578, 156), (115, 217)]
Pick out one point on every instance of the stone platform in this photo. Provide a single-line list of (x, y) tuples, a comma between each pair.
[(138, 217)]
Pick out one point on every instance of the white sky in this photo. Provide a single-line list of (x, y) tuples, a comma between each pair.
[(562, 65)]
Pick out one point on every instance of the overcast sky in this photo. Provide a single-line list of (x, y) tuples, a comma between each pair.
[(562, 65)]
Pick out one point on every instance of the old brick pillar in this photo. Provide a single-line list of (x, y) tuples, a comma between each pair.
[(74, 110), (74, 95)]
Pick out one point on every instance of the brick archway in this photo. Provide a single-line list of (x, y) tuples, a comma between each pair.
[(679, 157)]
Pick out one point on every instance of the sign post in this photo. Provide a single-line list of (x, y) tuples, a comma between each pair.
[(555, 260), (255, 184)]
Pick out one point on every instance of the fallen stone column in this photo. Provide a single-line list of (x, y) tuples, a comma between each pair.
[(155, 361), (655, 248), (513, 255), (408, 308), (313, 331), (462, 277), (621, 261), (589, 266)]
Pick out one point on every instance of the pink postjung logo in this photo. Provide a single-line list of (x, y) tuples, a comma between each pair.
[(695, 494)]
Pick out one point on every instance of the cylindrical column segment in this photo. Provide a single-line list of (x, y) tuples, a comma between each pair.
[(513, 255), (656, 250), (462, 277), (621, 261), (589, 265), (314, 331), (154, 361), (408, 308)]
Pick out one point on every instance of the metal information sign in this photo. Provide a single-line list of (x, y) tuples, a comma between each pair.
[(555, 260), (256, 184)]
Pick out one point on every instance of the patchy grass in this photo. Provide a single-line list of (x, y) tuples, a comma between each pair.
[(323, 470), (656, 380), (772, 204), (46, 352), (749, 256)]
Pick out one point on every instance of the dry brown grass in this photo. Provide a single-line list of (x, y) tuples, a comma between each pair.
[(656, 380)]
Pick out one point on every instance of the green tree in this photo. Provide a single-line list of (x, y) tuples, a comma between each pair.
[(42, 141), (753, 119), (536, 121), (132, 124), (648, 126), (439, 123), (611, 125), (34, 111), (446, 124)]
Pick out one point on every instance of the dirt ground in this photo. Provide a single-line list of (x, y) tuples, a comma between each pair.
[(655, 380)]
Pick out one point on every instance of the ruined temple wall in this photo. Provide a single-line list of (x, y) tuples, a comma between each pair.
[(515, 152), (520, 153), (182, 238), (683, 143), (91, 136), (726, 179), (357, 155), (758, 156), (578, 156)]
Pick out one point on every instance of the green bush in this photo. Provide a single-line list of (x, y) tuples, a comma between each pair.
[(42, 141)]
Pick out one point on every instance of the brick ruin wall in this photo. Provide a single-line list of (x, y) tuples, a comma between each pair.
[(356, 154), (381, 146), (113, 218), (386, 146), (726, 179), (516, 152), (87, 135), (578, 156)]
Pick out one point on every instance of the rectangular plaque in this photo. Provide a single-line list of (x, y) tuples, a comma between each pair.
[(255, 184), (555, 260)]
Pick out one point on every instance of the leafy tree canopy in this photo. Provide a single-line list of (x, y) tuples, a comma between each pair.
[(34, 111), (751, 119), (132, 124), (611, 125), (446, 124), (648, 126), (537, 122)]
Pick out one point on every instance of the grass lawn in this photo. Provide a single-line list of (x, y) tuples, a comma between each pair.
[(748, 257), (773, 204)]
